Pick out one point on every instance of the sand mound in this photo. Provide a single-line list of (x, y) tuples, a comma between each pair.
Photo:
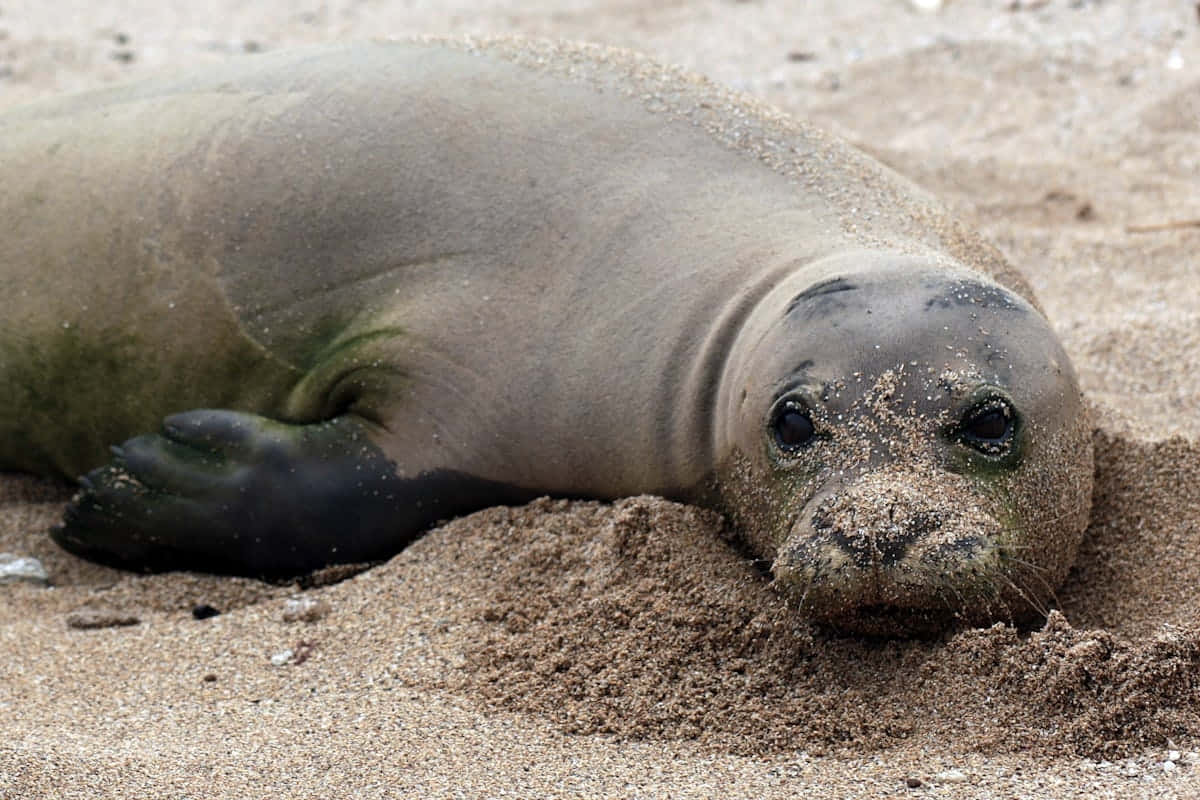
[(639, 620)]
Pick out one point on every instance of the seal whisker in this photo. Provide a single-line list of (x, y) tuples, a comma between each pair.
[(943, 591), (944, 586), (1035, 571), (1044, 521), (1031, 599)]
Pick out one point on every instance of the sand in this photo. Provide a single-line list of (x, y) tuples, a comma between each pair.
[(585, 650)]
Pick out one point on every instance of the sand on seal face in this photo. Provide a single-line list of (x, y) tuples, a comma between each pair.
[(577, 649)]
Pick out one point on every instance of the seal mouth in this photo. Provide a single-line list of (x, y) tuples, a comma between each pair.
[(969, 589), (888, 622), (895, 552)]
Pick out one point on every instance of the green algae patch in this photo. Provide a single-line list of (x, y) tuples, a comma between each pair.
[(65, 396), (350, 371), (72, 391)]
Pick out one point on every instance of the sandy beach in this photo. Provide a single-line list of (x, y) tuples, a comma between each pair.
[(579, 649)]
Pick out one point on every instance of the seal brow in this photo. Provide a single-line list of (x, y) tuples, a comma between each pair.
[(830, 286)]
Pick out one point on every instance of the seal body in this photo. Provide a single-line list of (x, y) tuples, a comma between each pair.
[(373, 286)]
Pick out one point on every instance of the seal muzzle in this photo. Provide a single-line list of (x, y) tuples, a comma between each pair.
[(896, 539)]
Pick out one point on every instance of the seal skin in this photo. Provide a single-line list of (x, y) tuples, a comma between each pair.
[(373, 286)]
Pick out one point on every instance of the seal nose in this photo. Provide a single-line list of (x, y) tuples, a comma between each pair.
[(875, 531)]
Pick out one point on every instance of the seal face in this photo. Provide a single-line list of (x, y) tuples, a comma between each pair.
[(373, 286), (921, 433)]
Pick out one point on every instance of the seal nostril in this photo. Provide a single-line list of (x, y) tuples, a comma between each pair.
[(892, 548), (922, 523), (858, 544), (954, 551)]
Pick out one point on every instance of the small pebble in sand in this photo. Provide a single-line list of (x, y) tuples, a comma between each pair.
[(303, 652), (94, 618), (913, 783), (304, 609), (15, 568), (204, 611), (951, 776), (282, 657)]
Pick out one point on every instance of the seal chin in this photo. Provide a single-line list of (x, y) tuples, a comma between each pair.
[(889, 556)]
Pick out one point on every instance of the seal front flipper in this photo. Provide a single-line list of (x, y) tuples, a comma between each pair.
[(231, 492)]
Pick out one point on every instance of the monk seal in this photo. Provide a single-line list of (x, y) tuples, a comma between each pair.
[(373, 286)]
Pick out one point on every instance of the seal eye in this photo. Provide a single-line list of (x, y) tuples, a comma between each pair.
[(793, 428), (988, 427)]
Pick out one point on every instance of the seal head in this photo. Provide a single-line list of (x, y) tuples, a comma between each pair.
[(909, 446)]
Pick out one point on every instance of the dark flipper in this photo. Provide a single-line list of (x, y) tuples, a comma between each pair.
[(230, 492)]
